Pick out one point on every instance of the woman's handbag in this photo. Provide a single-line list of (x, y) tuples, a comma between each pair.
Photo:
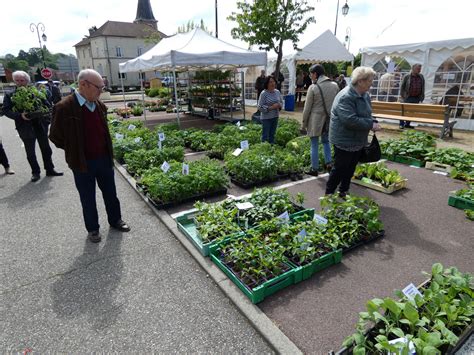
[(371, 153)]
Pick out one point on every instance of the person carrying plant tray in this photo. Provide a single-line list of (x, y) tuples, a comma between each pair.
[(30, 110)]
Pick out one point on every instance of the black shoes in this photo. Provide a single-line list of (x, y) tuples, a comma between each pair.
[(35, 177), (54, 173), (94, 237), (313, 172), (121, 226)]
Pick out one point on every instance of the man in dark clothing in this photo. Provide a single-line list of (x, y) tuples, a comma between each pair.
[(31, 130), (412, 89), (307, 80), (279, 80), (259, 83), (80, 128), (55, 92)]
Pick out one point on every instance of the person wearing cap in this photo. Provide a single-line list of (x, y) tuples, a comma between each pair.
[(316, 117)]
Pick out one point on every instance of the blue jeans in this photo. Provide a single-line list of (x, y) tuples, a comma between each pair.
[(315, 151), (102, 171), (269, 127)]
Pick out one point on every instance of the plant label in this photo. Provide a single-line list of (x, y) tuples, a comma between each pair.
[(161, 136), (185, 168), (138, 140), (238, 124), (118, 136), (301, 235), (411, 346), (285, 217), (244, 145), (440, 173), (244, 205), (320, 219), (237, 152), (131, 127), (165, 167), (159, 145), (411, 291), (304, 246), (413, 166)]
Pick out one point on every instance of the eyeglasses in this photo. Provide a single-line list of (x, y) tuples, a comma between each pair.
[(100, 88)]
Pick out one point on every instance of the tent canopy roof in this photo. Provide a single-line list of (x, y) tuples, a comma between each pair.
[(193, 50)]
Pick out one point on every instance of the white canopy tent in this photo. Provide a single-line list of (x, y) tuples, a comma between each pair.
[(430, 54), (194, 50), (325, 48)]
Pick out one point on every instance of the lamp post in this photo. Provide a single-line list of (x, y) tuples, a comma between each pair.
[(217, 31), (345, 10), (39, 27)]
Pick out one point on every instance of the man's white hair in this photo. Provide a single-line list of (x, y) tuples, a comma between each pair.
[(21, 73), (87, 73)]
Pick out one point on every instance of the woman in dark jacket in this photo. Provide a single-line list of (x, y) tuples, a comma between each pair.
[(351, 121)]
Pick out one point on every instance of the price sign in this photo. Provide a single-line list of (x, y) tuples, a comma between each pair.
[(244, 205), (237, 152), (118, 136), (301, 235), (244, 145), (238, 124), (185, 169), (411, 291), (165, 167), (320, 219), (284, 216), (138, 140), (131, 127), (161, 136)]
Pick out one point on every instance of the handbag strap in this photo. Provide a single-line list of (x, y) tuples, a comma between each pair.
[(322, 99)]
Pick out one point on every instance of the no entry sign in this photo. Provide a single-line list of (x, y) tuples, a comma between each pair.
[(46, 73)]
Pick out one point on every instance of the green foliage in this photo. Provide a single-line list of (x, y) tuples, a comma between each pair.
[(379, 173), (469, 214), (141, 159), (137, 110), (197, 139), (29, 99), (204, 176), (412, 144), (190, 25), (431, 322), (230, 136), (454, 157), (466, 193), (287, 130)]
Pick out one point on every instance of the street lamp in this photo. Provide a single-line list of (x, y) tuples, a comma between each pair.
[(348, 38), (345, 10), (39, 27)]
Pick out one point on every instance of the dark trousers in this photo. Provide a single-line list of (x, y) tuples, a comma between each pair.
[(269, 127), (3, 157), (410, 100), (343, 169), (41, 135), (102, 171)]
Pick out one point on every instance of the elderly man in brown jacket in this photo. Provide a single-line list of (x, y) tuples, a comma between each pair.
[(80, 128), (316, 115)]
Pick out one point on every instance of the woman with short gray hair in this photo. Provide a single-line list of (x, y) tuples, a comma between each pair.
[(351, 121)]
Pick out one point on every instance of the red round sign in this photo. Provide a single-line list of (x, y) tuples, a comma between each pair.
[(46, 73)]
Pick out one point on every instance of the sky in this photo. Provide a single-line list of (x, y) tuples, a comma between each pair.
[(368, 23)]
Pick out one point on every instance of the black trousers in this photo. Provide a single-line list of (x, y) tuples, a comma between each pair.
[(343, 169), (3, 157), (40, 131)]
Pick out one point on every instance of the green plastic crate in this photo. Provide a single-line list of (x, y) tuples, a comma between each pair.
[(259, 293), (187, 226), (306, 271), (461, 203)]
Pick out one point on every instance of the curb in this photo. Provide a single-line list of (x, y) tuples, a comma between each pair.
[(277, 340)]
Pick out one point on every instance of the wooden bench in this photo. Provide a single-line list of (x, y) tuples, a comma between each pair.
[(421, 113)]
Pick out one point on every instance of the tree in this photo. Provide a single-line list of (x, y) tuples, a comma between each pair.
[(190, 25), (268, 23)]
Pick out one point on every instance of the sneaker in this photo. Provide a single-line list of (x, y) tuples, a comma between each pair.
[(35, 177), (121, 226), (9, 171), (94, 237), (312, 172)]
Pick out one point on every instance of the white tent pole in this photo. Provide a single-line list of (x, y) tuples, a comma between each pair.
[(242, 80), (123, 91), (143, 95), (176, 97)]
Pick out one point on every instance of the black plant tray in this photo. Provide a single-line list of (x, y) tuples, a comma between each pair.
[(161, 205), (373, 237), (258, 183)]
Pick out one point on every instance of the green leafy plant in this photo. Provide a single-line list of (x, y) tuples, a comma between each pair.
[(466, 193), (412, 144), (454, 157), (29, 99), (137, 110), (287, 130), (379, 173), (143, 159)]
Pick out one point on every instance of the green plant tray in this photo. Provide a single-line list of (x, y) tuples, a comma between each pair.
[(259, 293), (306, 271), (187, 226), (461, 203), (405, 160)]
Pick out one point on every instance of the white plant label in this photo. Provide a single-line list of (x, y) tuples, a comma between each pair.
[(301, 235), (244, 205), (415, 167), (411, 291), (440, 173), (165, 166), (159, 145), (320, 219), (118, 136), (131, 127), (238, 124), (161, 136), (185, 169), (237, 152), (284, 216), (411, 346), (138, 140), (244, 145)]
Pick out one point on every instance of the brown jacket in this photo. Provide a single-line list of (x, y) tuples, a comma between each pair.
[(67, 131)]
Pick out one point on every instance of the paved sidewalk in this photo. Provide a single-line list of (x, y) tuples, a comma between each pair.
[(133, 292)]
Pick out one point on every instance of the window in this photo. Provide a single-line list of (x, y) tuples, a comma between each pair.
[(139, 50), (122, 75), (118, 51)]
